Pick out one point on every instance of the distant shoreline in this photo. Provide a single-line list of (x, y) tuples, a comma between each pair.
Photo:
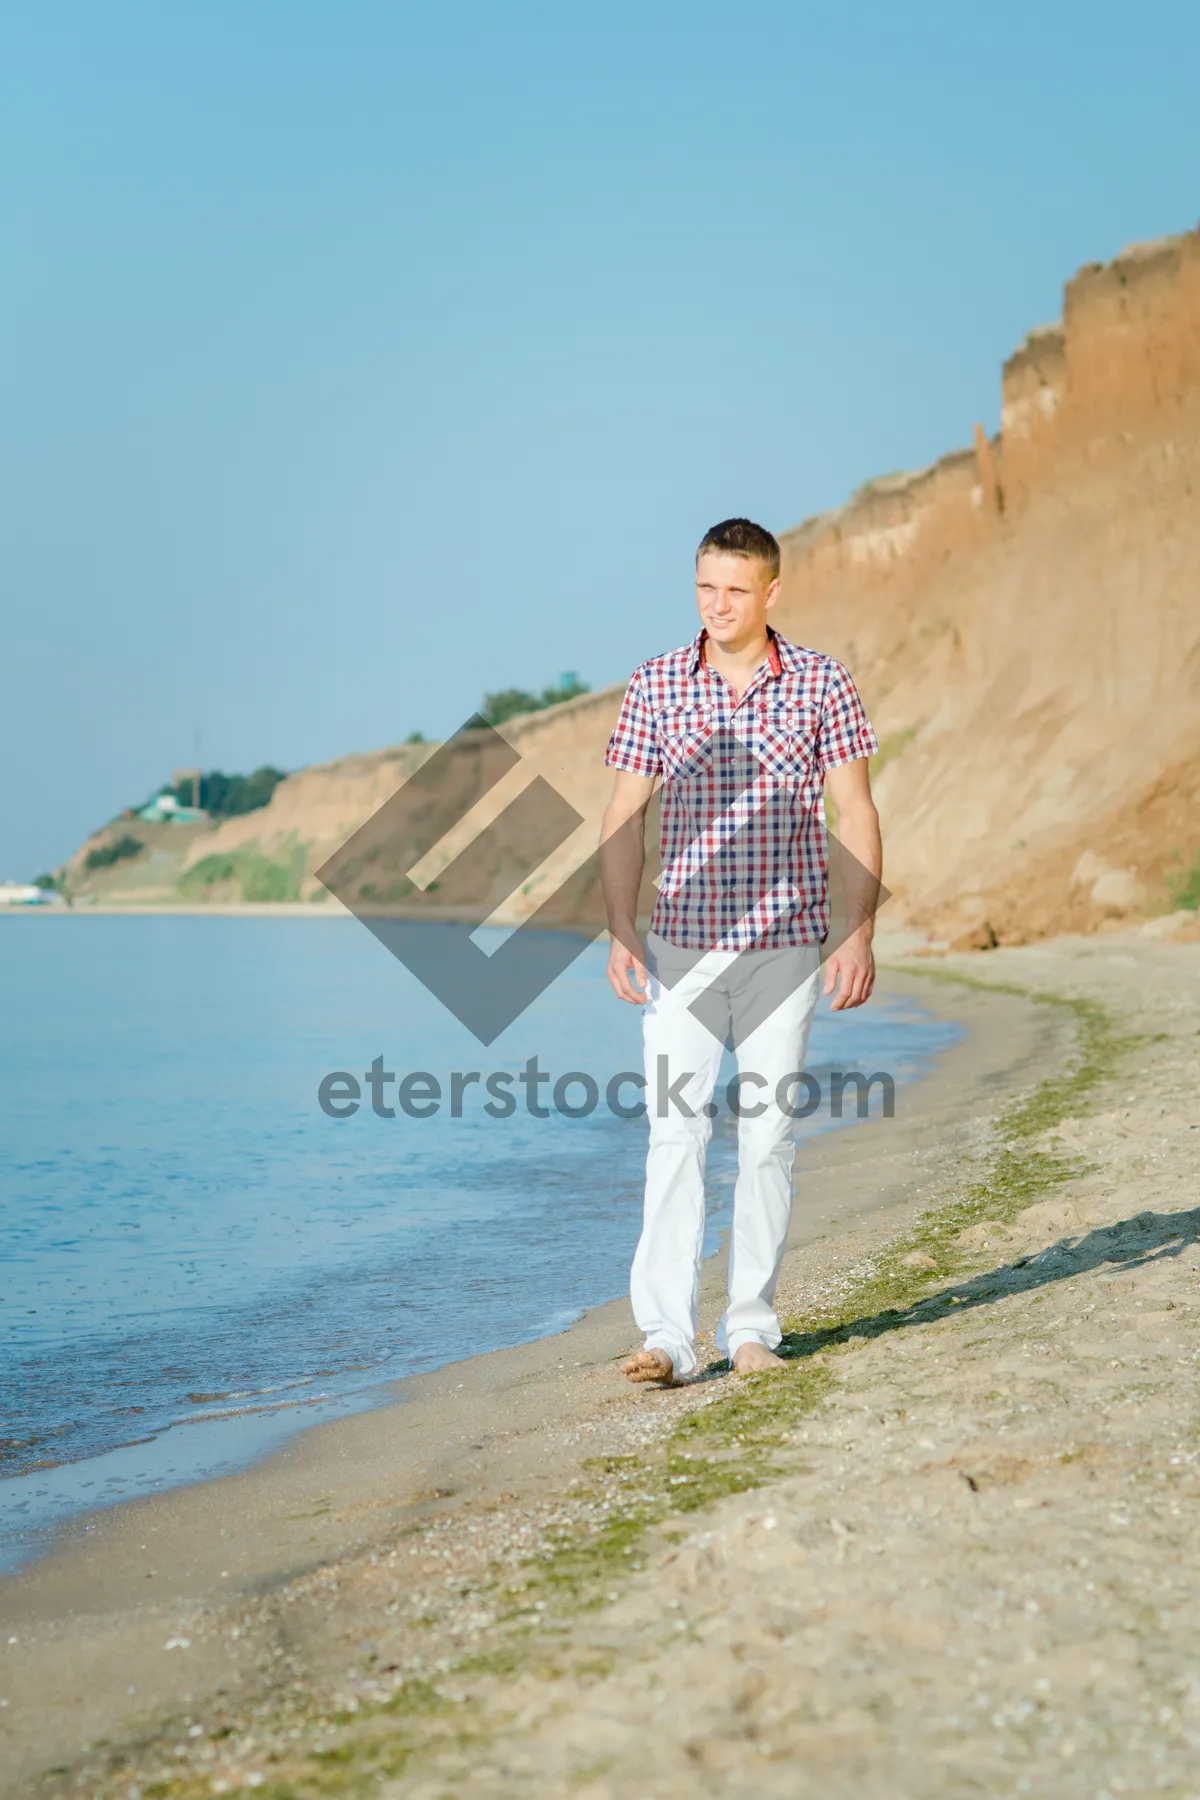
[(233, 909)]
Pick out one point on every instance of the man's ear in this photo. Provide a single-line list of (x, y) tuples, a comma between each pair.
[(773, 592)]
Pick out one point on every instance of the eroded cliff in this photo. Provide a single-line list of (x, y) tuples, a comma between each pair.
[(1024, 621)]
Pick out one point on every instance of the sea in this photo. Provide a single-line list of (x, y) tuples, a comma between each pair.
[(199, 1261)]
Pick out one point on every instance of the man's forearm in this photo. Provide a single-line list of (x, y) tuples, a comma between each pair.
[(622, 860), (861, 867)]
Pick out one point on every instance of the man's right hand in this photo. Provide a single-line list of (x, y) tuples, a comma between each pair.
[(627, 970)]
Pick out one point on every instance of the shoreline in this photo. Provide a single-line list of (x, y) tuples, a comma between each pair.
[(64, 1476), (500, 1429)]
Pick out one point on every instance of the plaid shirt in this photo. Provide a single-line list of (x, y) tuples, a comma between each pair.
[(743, 844)]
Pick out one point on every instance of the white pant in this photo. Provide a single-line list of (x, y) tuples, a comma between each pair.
[(740, 987)]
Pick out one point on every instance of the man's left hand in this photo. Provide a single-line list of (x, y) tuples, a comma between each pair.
[(851, 970)]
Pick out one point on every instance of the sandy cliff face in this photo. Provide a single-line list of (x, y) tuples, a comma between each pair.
[(273, 853), (1023, 619)]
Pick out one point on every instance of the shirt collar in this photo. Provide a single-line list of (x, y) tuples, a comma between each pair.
[(698, 660)]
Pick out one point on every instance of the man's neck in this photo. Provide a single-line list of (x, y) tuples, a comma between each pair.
[(738, 665)]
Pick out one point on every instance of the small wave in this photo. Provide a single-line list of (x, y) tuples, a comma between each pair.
[(42, 1465), (283, 1387), (558, 1321), (243, 1412)]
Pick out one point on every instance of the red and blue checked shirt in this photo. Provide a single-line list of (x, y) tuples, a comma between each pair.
[(744, 857)]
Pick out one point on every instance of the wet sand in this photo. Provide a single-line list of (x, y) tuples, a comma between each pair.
[(130, 1614)]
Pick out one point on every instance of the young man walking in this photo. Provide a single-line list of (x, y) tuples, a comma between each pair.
[(744, 730)]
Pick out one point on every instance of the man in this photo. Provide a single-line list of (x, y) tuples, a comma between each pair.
[(745, 730)]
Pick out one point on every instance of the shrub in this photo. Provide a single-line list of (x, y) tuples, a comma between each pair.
[(509, 702), (105, 855), (266, 880), (1184, 889), (210, 869), (258, 877), (228, 796)]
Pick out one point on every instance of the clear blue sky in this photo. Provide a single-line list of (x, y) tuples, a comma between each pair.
[(356, 358)]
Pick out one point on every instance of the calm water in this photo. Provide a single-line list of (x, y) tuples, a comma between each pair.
[(198, 1261)]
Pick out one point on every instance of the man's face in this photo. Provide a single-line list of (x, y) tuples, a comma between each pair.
[(733, 594)]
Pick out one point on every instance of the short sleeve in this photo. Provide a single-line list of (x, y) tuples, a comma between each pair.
[(845, 731), (633, 745)]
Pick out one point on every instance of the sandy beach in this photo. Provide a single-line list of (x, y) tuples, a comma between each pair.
[(950, 1549)]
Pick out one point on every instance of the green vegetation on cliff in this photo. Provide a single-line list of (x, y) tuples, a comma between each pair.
[(510, 702), (259, 878), (1184, 887), (226, 796), (105, 855)]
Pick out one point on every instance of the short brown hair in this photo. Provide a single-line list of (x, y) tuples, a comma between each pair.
[(742, 537)]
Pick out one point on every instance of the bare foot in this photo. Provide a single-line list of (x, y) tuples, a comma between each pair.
[(751, 1359), (649, 1365)]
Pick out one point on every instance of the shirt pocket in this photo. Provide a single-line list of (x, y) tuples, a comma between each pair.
[(787, 735), (685, 739)]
